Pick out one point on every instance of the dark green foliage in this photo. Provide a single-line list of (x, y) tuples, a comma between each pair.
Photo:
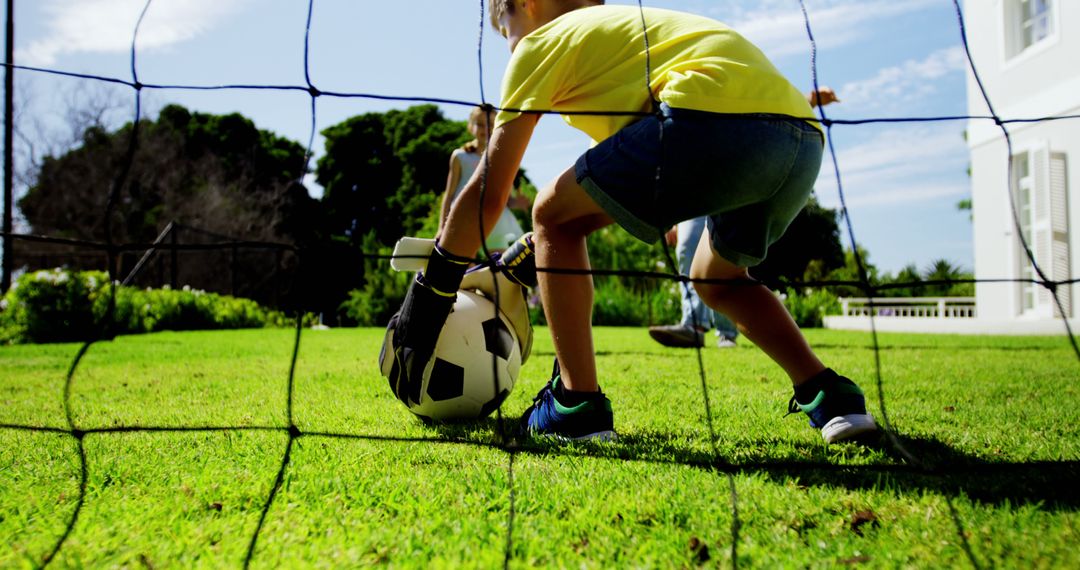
[(217, 173), (810, 306), (65, 306), (942, 270), (383, 172), (629, 300), (382, 292), (529, 190), (617, 305), (328, 270), (214, 171), (935, 281)]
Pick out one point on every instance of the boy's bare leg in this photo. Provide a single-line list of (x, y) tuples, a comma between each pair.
[(759, 314), (563, 216)]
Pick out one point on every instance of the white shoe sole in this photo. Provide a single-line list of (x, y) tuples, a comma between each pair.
[(607, 435), (846, 427)]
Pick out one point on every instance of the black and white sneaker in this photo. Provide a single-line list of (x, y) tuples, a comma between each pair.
[(834, 404)]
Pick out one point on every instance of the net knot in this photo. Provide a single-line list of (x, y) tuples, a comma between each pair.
[(313, 91)]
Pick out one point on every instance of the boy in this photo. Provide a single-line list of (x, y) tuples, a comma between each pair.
[(715, 134)]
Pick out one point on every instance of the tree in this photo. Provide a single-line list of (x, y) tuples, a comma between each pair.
[(848, 272), (965, 205), (216, 172), (943, 270), (910, 277), (383, 172)]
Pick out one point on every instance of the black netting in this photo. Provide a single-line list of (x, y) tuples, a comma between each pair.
[(170, 259)]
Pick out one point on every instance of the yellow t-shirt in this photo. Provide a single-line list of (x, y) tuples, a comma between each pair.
[(593, 59)]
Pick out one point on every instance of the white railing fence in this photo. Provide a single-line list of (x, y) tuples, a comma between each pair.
[(905, 307)]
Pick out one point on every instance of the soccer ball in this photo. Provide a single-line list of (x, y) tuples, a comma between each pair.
[(477, 360)]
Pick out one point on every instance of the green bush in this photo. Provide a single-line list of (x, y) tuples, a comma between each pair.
[(63, 306), (52, 306), (809, 308), (617, 305), (383, 291)]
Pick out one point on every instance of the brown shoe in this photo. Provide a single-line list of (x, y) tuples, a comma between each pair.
[(679, 336)]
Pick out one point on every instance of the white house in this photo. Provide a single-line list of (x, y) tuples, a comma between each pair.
[(1026, 53)]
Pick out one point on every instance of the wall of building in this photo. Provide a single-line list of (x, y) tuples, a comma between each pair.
[(1044, 82)]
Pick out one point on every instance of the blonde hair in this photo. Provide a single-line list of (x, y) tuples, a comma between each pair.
[(499, 7), (487, 114)]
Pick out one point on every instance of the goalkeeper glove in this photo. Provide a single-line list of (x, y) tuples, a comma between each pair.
[(417, 325), (518, 262)]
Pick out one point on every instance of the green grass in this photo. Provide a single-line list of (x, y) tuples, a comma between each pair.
[(993, 423)]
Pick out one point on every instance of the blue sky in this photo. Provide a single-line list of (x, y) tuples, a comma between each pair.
[(885, 58)]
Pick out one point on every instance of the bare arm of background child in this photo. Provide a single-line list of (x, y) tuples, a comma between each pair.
[(448, 194)]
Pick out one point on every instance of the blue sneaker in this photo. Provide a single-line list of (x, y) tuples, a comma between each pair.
[(834, 404), (591, 419)]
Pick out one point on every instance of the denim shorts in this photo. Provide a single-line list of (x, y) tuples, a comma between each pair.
[(750, 174)]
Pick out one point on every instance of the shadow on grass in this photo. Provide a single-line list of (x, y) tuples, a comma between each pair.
[(880, 463), (1046, 484)]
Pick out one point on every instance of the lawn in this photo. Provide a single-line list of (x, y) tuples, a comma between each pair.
[(184, 443)]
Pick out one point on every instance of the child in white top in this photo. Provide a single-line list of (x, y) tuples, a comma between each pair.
[(463, 162)]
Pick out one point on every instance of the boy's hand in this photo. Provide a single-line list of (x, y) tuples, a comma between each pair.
[(413, 332), (823, 96), (518, 262)]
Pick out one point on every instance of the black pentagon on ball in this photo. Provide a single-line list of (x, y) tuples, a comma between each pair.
[(447, 381), (498, 339)]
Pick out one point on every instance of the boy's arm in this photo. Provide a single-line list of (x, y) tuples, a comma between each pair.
[(414, 331), (461, 235)]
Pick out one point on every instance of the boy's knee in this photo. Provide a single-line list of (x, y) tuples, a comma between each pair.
[(720, 288), (553, 213), (543, 212)]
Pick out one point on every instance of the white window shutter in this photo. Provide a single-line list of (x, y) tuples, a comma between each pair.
[(1041, 234), (1059, 269)]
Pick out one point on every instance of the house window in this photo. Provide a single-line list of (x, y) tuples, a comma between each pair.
[(1027, 23), (1024, 186), (1041, 198)]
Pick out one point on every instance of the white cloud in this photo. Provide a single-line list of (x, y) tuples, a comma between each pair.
[(779, 29), (104, 26), (905, 82), (909, 195), (904, 165)]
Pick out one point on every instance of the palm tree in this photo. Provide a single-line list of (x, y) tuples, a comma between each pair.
[(943, 270)]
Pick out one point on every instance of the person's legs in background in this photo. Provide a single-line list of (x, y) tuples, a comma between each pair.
[(697, 317), (726, 333)]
